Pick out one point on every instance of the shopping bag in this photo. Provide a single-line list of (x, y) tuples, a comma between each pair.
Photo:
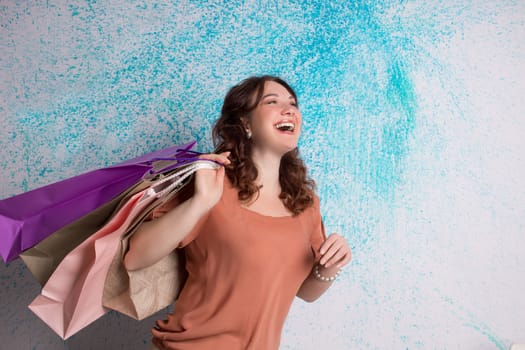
[(42, 259), (27, 218), (68, 301), (141, 293), (72, 297)]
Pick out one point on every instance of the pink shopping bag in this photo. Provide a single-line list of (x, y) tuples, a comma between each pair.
[(71, 298)]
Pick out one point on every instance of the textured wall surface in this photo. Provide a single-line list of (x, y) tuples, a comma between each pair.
[(413, 128)]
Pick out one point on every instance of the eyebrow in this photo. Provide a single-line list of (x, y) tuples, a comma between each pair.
[(276, 95)]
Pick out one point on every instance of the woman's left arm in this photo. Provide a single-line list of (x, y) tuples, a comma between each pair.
[(335, 253)]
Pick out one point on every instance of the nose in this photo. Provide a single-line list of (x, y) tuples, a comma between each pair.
[(288, 110)]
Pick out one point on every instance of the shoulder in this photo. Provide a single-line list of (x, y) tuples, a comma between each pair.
[(313, 213), (316, 215), (316, 204)]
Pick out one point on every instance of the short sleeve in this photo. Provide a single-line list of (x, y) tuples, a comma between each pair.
[(318, 235)]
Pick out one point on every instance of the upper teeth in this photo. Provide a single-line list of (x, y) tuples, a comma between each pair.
[(285, 125)]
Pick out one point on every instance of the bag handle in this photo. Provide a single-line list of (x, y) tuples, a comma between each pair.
[(182, 156), (178, 177), (200, 164)]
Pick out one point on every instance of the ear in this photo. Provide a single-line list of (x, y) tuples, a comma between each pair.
[(245, 123)]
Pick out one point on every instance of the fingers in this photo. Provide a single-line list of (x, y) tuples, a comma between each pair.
[(339, 259), (329, 242), (220, 157), (209, 186), (210, 178), (335, 251), (332, 255)]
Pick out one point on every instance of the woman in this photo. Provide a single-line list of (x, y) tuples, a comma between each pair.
[(252, 230)]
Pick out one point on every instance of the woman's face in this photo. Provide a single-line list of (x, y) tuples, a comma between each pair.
[(275, 122)]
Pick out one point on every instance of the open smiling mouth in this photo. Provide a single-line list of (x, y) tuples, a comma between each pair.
[(285, 126)]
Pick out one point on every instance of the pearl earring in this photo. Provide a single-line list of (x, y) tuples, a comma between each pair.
[(249, 134)]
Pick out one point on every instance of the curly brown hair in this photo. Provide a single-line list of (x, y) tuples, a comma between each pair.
[(229, 134)]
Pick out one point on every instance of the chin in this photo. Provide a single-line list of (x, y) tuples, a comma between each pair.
[(287, 149), (282, 146)]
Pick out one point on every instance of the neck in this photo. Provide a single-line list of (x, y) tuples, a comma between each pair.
[(267, 164)]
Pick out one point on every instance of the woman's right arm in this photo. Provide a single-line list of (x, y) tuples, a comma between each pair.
[(157, 238)]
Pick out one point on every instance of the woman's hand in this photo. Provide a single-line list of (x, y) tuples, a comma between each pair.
[(335, 251), (209, 182)]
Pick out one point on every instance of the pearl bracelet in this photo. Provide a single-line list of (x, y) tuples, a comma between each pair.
[(325, 278)]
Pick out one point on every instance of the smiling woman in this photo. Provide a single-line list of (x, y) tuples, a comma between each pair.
[(252, 230), (249, 128)]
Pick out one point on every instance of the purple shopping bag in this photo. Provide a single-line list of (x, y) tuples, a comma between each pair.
[(28, 218)]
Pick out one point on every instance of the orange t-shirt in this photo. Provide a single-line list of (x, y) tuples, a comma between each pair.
[(244, 270)]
